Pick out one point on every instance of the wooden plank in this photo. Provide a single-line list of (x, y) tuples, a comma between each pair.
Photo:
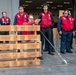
[(7, 56), (28, 62), (4, 64), (19, 37), (28, 54), (19, 28), (8, 38), (29, 46), (19, 55), (17, 45), (28, 37), (28, 28), (20, 46), (8, 28), (55, 33), (7, 46), (19, 63)]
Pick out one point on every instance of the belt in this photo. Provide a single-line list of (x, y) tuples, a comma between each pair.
[(45, 27)]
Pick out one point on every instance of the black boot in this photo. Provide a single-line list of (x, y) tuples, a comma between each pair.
[(51, 53), (41, 58), (69, 51), (62, 52)]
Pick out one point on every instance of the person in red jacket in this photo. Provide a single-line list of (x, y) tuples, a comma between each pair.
[(4, 20), (46, 23), (73, 32), (20, 17), (30, 21), (65, 28)]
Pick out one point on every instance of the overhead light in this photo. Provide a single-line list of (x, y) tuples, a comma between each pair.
[(28, 1), (38, 7), (53, 7), (49, 2), (42, 5), (70, 8), (66, 2), (59, 6), (25, 5)]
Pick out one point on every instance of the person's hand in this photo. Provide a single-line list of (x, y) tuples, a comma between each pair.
[(24, 23), (37, 21), (60, 32), (73, 33)]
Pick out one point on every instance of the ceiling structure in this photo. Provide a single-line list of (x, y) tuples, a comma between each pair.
[(53, 4)]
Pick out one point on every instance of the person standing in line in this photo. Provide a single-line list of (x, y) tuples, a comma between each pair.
[(72, 34), (46, 43), (65, 28), (46, 22), (4, 20), (20, 18)]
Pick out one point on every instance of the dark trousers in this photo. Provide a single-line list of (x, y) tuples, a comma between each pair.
[(49, 34), (66, 40), (51, 40), (71, 41), (4, 33)]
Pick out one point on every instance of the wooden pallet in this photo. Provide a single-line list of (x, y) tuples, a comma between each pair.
[(9, 55)]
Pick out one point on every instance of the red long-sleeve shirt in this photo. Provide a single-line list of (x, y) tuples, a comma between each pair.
[(28, 32)]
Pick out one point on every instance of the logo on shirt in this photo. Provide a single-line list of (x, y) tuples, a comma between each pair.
[(64, 18), (42, 14), (5, 20), (49, 15), (18, 16), (70, 19), (24, 16)]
